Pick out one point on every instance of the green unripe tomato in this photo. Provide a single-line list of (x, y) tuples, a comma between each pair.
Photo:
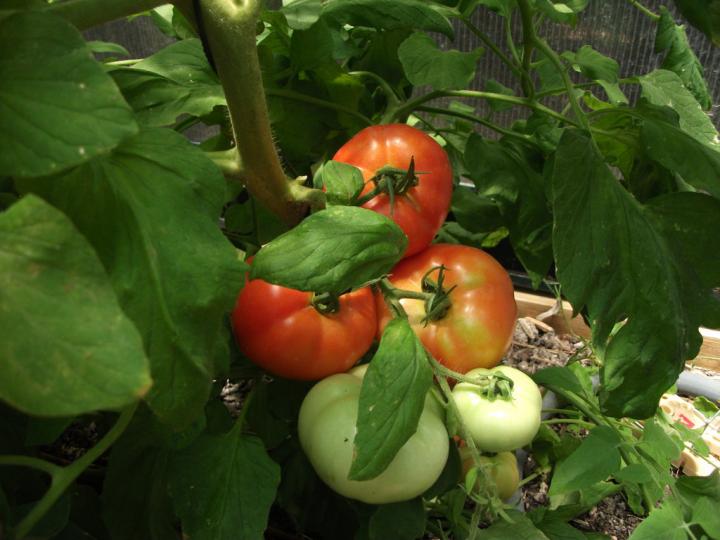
[(501, 424), (502, 469), (327, 431)]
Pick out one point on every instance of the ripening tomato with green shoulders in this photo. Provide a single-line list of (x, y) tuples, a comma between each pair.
[(298, 335), (410, 174), (469, 322), (327, 429)]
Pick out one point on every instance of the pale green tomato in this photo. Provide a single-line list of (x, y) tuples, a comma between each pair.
[(500, 425), (502, 469), (327, 430)]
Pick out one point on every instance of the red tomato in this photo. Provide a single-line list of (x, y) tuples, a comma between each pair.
[(280, 330), (477, 329), (421, 210)]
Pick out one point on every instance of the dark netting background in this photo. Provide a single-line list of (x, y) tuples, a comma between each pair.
[(613, 27)]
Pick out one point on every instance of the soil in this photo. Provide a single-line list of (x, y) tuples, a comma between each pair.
[(535, 346)]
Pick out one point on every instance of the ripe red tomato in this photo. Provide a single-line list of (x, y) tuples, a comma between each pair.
[(279, 329), (421, 210), (477, 329)]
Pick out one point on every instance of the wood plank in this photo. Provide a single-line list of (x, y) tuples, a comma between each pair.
[(533, 305)]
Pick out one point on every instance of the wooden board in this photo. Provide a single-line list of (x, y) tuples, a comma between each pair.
[(562, 320)]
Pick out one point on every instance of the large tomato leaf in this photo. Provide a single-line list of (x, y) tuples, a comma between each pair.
[(665, 142), (501, 174), (593, 461), (703, 15), (174, 81), (680, 57), (135, 499), (153, 221), (425, 63), (388, 15), (67, 347), (222, 486), (333, 250), (665, 88), (648, 265), (391, 400), (58, 107)]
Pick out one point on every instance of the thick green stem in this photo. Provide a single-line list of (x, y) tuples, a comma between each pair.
[(63, 477), (529, 38), (230, 26), (544, 48)]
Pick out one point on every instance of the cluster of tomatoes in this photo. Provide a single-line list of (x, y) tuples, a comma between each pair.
[(469, 329)]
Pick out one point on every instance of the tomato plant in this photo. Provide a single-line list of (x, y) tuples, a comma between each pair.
[(327, 430), (474, 305), (408, 175), (503, 414), (285, 331)]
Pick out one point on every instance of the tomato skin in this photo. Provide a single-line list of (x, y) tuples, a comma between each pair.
[(501, 467), (423, 208), (477, 330), (500, 425), (326, 427), (278, 329)]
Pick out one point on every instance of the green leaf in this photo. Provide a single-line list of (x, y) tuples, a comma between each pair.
[(563, 11), (343, 183), (520, 528), (559, 379), (388, 15), (392, 399), (635, 472), (705, 514), (475, 212), (153, 222), (491, 85), (312, 47), (135, 498), (595, 459), (680, 57), (647, 264), (399, 521), (658, 444), (664, 88), (58, 107), (676, 150), (705, 406), (333, 250), (664, 523), (301, 14), (595, 65), (103, 47), (614, 93), (222, 486), (501, 173), (426, 64), (703, 15), (174, 81), (42, 431), (68, 348)]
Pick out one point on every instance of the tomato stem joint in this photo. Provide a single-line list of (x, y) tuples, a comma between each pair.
[(325, 303)]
